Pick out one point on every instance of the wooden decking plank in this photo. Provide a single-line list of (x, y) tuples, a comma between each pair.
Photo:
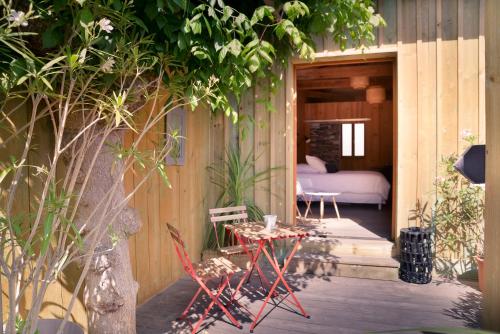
[(337, 305)]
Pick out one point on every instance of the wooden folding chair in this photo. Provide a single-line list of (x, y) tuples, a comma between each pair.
[(219, 268), (234, 214)]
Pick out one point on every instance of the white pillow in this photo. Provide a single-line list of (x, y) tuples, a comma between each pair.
[(306, 169), (316, 163)]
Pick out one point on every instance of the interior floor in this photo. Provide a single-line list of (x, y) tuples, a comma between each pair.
[(357, 220)]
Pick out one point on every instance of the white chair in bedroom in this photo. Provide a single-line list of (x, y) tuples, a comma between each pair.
[(307, 196)]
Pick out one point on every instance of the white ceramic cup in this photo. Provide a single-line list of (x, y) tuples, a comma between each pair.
[(270, 221)]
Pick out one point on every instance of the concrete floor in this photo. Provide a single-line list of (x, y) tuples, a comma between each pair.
[(357, 220), (336, 305)]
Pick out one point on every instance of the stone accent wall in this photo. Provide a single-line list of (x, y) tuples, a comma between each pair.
[(325, 141)]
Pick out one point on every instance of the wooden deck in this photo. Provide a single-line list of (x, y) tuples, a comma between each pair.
[(336, 305)]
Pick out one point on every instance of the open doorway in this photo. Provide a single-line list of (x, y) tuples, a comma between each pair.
[(345, 122)]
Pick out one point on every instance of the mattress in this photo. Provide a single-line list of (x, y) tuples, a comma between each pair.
[(354, 186)]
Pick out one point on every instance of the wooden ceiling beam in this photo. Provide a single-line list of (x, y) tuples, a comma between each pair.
[(323, 83), (341, 83), (345, 71), (332, 95)]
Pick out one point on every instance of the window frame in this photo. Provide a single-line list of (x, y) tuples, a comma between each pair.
[(353, 152)]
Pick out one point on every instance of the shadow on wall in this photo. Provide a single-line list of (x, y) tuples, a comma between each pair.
[(56, 303)]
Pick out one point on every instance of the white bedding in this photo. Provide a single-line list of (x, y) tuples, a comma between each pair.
[(355, 186)]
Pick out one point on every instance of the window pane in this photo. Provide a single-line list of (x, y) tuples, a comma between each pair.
[(347, 140), (359, 139)]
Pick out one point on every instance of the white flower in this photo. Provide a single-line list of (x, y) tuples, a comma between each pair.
[(81, 57), (105, 25), (440, 179), (108, 65), (18, 18)]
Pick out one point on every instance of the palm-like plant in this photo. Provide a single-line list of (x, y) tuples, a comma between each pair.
[(235, 176)]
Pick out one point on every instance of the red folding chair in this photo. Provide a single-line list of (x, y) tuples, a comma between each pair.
[(219, 268)]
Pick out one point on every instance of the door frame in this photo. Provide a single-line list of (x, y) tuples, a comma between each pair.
[(291, 97)]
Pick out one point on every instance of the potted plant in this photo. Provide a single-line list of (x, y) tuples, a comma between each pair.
[(458, 219)]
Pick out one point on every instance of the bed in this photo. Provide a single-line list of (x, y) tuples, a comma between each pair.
[(367, 187)]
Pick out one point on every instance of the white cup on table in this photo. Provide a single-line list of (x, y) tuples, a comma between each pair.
[(270, 221)]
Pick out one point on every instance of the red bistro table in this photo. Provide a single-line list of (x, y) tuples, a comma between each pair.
[(252, 232)]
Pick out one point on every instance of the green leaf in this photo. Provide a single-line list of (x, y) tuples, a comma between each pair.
[(222, 54), (47, 83), (195, 25), (284, 27), (240, 19), (86, 16), (163, 175), (264, 55), (4, 173), (47, 232), (226, 13), (51, 38), (295, 9), (52, 63), (209, 29), (234, 47), (253, 63), (260, 13), (181, 42), (181, 3), (151, 10)]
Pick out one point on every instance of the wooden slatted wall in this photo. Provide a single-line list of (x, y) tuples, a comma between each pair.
[(439, 85), (58, 293), (184, 205)]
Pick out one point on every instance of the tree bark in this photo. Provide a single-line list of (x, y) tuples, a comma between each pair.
[(110, 289)]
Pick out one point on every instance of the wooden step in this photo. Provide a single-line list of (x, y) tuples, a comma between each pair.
[(370, 267), (340, 246)]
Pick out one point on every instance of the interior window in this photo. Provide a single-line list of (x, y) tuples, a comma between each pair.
[(347, 140), (353, 140), (359, 139)]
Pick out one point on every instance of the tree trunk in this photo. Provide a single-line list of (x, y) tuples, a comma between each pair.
[(110, 290)]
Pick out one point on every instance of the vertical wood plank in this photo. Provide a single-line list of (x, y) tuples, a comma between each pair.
[(141, 204), (166, 252), (481, 70), (388, 10), (491, 294), (448, 99), (261, 144), (408, 111), (468, 64), (278, 147), (249, 103), (427, 130), (291, 145), (153, 207), (128, 183)]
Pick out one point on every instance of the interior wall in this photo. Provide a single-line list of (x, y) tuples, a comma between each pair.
[(378, 131)]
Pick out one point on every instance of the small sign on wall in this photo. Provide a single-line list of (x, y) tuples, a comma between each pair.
[(175, 125)]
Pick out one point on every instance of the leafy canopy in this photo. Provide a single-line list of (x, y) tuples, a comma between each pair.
[(234, 42)]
